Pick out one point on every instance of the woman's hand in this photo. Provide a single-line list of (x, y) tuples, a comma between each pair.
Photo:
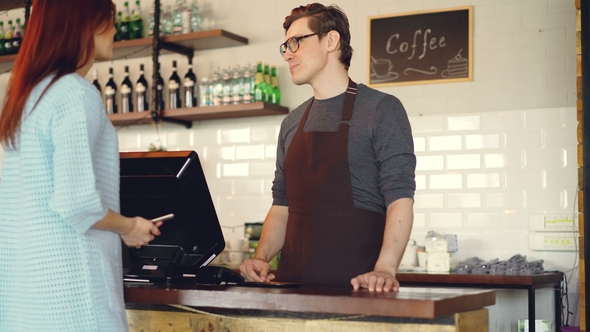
[(142, 231)]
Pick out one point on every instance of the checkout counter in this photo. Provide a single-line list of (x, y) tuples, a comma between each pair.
[(233, 308)]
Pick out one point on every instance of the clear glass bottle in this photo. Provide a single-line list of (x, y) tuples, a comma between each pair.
[(167, 21), (226, 98), (126, 93), (217, 88), (196, 19), (177, 17), (186, 17), (237, 86), (248, 87), (205, 93)]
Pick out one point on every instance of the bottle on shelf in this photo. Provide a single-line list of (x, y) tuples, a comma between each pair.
[(117, 36), (8, 38), (2, 45), (259, 85), (267, 84), (167, 21), (190, 86), (126, 22), (226, 98), (217, 91), (126, 93), (95, 81), (110, 94), (177, 17), (17, 36), (186, 17), (174, 99), (248, 87), (136, 22), (160, 88), (237, 86), (152, 21), (196, 19), (205, 93), (141, 92), (275, 96)]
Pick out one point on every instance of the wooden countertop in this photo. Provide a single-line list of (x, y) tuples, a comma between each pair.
[(549, 279), (412, 302)]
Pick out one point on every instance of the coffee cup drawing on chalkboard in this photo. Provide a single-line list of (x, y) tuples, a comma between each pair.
[(458, 66), (382, 71)]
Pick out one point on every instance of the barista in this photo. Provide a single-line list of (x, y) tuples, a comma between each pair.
[(344, 182)]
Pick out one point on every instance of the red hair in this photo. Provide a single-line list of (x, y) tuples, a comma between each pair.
[(59, 39)]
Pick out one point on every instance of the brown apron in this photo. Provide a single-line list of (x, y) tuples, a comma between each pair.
[(328, 240)]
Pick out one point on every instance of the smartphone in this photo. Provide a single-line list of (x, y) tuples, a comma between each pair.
[(164, 218)]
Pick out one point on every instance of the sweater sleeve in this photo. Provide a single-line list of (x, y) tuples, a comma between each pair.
[(394, 151), (74, 132)]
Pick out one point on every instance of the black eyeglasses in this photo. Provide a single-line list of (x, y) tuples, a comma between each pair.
[(293, 44)]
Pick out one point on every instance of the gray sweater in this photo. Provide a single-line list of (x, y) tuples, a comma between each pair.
[(380, 147)]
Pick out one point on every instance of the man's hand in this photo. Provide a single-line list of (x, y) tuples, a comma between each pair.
[(256, 270), (377, 281)]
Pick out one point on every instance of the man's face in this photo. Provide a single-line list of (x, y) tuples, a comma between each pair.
[(310, 58)]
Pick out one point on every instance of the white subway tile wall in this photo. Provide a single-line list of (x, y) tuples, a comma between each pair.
[(471, 181)]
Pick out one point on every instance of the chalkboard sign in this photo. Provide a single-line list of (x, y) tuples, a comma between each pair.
[(421, 47)]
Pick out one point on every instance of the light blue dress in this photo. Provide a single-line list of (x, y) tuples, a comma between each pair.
[(56, 273)]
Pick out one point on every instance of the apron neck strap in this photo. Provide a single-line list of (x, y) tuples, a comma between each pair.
[(349, 102)]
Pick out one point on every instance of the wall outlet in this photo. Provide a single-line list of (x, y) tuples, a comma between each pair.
[(553, 222), (554, 241)]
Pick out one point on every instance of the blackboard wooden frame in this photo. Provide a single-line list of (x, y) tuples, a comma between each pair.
[(433, 46)]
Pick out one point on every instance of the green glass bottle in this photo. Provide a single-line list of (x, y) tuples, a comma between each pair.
[(118, 27), (2, 46), (267, 84), (136, 22), (275, 97), (126, 23), (259, 85)]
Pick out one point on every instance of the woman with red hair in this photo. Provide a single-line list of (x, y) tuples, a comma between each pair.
[(60, 238)]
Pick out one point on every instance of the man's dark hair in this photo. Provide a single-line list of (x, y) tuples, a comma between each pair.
[(322, 20)]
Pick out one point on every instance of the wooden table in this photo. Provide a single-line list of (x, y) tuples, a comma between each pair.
[(426, 306), (527, 282)]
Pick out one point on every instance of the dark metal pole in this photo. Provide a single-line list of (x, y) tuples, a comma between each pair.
[(157, 98), (585, 45)]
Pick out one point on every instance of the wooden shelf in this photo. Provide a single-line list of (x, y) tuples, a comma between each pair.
[(11, 4), (202, 113), (137, 48), (198, 41)]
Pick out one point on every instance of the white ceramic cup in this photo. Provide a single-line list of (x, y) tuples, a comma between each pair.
[(237, 244), (236, 257)]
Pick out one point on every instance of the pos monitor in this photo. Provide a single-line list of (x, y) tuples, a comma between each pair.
[(154, 184)]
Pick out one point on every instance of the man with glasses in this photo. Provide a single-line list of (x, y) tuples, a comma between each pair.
[(344, 182)]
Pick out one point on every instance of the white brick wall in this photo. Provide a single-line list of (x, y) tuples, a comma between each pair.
[(490, 151)]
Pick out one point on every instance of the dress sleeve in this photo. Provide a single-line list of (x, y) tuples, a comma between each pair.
[(74, 131)]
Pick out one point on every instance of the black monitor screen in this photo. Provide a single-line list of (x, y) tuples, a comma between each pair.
[(154, 184)]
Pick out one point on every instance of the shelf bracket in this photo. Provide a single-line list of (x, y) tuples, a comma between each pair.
[(188, 52), (157, 117)]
